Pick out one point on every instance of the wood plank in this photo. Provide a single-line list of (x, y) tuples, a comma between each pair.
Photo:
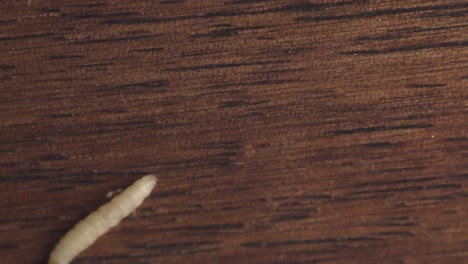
[(282, 131)]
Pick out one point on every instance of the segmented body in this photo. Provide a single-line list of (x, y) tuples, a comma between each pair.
[(100, 221)]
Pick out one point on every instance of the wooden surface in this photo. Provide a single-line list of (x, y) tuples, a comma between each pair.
[(282, 131)]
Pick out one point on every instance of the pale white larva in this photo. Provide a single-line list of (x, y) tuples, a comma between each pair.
[(100, 221)]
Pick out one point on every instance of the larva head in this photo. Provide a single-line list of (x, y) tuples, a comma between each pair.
[(145, 184), (149, 180)]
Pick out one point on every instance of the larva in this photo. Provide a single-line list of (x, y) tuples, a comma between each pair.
[(100, 221)]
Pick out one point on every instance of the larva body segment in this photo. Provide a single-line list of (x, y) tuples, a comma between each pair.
[(100, 221)]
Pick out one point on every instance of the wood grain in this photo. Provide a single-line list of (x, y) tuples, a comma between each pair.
[(282, 131)]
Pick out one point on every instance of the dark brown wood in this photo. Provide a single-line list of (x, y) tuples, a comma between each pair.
[(282, 131)]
